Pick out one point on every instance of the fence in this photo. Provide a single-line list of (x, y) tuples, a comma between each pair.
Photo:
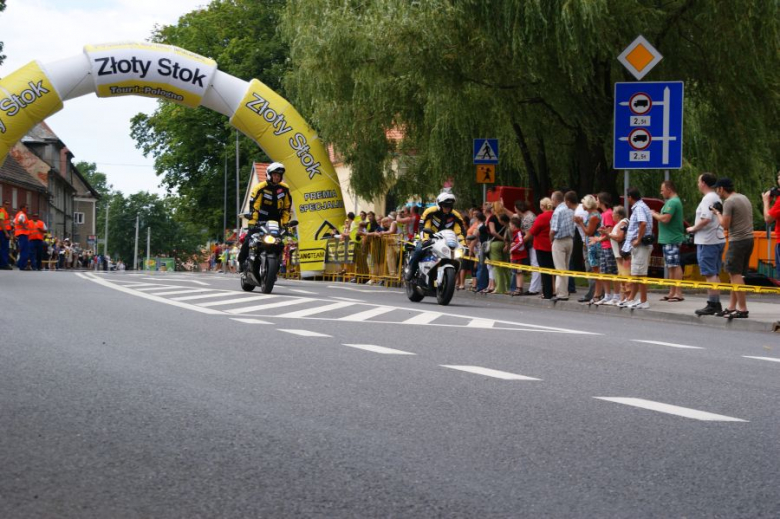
[(373, 259)]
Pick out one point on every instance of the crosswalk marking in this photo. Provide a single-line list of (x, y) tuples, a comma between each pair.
[(299, 291), (137, 285), (305, 333), (182, 291), (250, 309), (490, 372), (671, 409), (368, 314), (182, 278), (249, 321), (317, 310), (670, 344), (423, 318), (771, 359), (481, 323), (379, 349), (156, 287), (204, 296), (234, 301)]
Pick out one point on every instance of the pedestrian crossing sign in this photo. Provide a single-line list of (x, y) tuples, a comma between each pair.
[(486, 173), (485, 151)]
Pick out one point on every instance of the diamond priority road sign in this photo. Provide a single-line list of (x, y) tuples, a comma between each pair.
[(648, 125), (640, 57)]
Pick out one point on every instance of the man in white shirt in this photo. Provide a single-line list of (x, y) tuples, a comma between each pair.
[(710, 241)]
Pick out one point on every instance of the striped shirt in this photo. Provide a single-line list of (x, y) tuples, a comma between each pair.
[(562, 222), (639, 213)]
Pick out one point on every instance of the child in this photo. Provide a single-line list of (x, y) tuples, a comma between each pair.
[(517, 252)]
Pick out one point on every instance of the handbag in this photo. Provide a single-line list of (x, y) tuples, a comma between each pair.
[(648, 239)]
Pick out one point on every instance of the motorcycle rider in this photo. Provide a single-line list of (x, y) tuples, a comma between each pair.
[(270, 200), (437, 218)]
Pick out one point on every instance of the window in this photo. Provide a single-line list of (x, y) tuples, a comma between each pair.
[(78, 218), (14, 198), (29, 201)]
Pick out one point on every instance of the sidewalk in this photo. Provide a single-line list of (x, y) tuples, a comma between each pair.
[(764, 310)]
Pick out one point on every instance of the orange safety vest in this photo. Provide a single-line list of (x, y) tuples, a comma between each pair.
[(20, 224), (5, 221), (37, 228)]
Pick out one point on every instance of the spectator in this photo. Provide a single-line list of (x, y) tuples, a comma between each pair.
[(481, 244), (616, 239), (772, 214), (562, 238), (639, 241), (372, 225), (498, 250), (390, 242), (347, 228), (737, 219), (579, 257), (607, 260), (517, 252), (671, 234), (523, 210), (591, 243), (5, 235), (540, 234), (709, 240)]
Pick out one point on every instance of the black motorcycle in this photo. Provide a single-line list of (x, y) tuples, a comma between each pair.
[(266, 246)]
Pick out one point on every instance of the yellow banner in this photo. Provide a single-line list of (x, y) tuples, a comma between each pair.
[(277, 127), (27, 97), (150, 70)]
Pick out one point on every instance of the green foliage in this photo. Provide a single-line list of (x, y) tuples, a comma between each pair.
[(2, 56), (190, 146), (538, 75)]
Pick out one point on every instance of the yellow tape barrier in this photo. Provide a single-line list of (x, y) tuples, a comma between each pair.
[(629, 279)]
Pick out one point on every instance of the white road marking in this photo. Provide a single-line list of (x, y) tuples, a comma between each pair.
[(367, 291), (183, 278), (299, 291), (249, 321), (379, 349), (670, 344), (368, 314), (317, 310), (349, 299), (490, 372), (771, 359), (158, 287), (239, 300), (305, 333), (671, 409), (250, 309), (136, 285), (481, 323), (204, 296), (182, 291), (423, 318), (151, 297)]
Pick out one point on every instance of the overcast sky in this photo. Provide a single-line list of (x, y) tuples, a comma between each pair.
[(95, 130)]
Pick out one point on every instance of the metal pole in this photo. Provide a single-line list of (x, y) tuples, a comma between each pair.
[(238, 209), (224, 205), (148, 243), (625, 192), (484, 195), (105, 243), (135, 255)]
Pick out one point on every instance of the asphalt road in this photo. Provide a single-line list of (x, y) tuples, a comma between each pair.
[(177, 395)]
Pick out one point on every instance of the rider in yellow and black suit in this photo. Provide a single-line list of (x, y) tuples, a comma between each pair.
[(437, 218), (270, 200)]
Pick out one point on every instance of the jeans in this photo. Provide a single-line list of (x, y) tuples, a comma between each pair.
[(482, 276), (415, 259), (4, 246), (24, 251)]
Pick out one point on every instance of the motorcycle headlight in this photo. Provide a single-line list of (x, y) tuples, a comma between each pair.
[(457, 253), (269, 239)]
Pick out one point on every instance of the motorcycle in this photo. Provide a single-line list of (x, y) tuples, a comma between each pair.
[(266, 246), (438, 268)]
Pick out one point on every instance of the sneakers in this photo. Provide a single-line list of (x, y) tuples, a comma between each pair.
[(641, 306), (629, 303), (710, 309)]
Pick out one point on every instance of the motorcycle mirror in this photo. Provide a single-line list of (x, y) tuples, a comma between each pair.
[(248, 216), (292, 223)]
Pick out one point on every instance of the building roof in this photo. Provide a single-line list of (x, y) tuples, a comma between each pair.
[(13, 173), (260, 170)]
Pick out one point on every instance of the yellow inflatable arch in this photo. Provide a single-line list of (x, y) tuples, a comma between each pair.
[(36, 91)]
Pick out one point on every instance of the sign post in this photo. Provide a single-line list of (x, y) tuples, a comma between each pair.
[(485, 158)]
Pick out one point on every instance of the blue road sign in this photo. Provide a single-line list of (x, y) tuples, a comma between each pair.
[(485, 151), (648, 125)]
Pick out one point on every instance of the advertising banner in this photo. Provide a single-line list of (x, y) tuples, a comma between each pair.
[(150, 70), (318, 205)]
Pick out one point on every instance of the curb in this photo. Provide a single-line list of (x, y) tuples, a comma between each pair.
[(647, 315)]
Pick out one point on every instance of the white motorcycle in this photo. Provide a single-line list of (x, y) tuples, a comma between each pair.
[(438, 268)]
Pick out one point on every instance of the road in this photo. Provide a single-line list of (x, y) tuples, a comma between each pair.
[(178, 395)]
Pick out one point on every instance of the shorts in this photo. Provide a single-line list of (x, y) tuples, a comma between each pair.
[(607, 262), (672, 254), (738, 257), (593, 255), (640, 260), (710, 258)]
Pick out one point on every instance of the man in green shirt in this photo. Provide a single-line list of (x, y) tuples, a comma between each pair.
[(671, 234)]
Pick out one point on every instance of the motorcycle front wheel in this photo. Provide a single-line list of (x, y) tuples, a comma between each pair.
[(271, 268), (446, 288)]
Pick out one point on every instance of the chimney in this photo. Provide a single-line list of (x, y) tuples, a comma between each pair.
[(64, 162)]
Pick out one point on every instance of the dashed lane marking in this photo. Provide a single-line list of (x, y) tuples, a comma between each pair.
[(244, 299), (316, 310), (249, 321), (305, 333), (770, 359), (671, 409), (669, 344), (279, 304), (503, 375), (379, 349)]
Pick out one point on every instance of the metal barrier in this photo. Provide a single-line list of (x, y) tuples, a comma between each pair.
[(373, 259)]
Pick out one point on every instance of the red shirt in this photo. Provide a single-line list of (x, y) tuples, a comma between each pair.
[(517, 250), (774, 212), (540, 230)]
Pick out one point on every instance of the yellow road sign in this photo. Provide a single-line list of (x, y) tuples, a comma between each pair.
[(486, 174)]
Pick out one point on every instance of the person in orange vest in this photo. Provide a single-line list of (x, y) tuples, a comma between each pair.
[(22, 233), (37, 230), (5, 235)]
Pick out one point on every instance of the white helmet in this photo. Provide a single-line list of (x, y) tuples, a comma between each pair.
[(445, 200), (275, 167)]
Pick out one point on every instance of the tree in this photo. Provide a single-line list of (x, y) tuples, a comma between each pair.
[(537, 75), (2, 56), (190, 146)]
